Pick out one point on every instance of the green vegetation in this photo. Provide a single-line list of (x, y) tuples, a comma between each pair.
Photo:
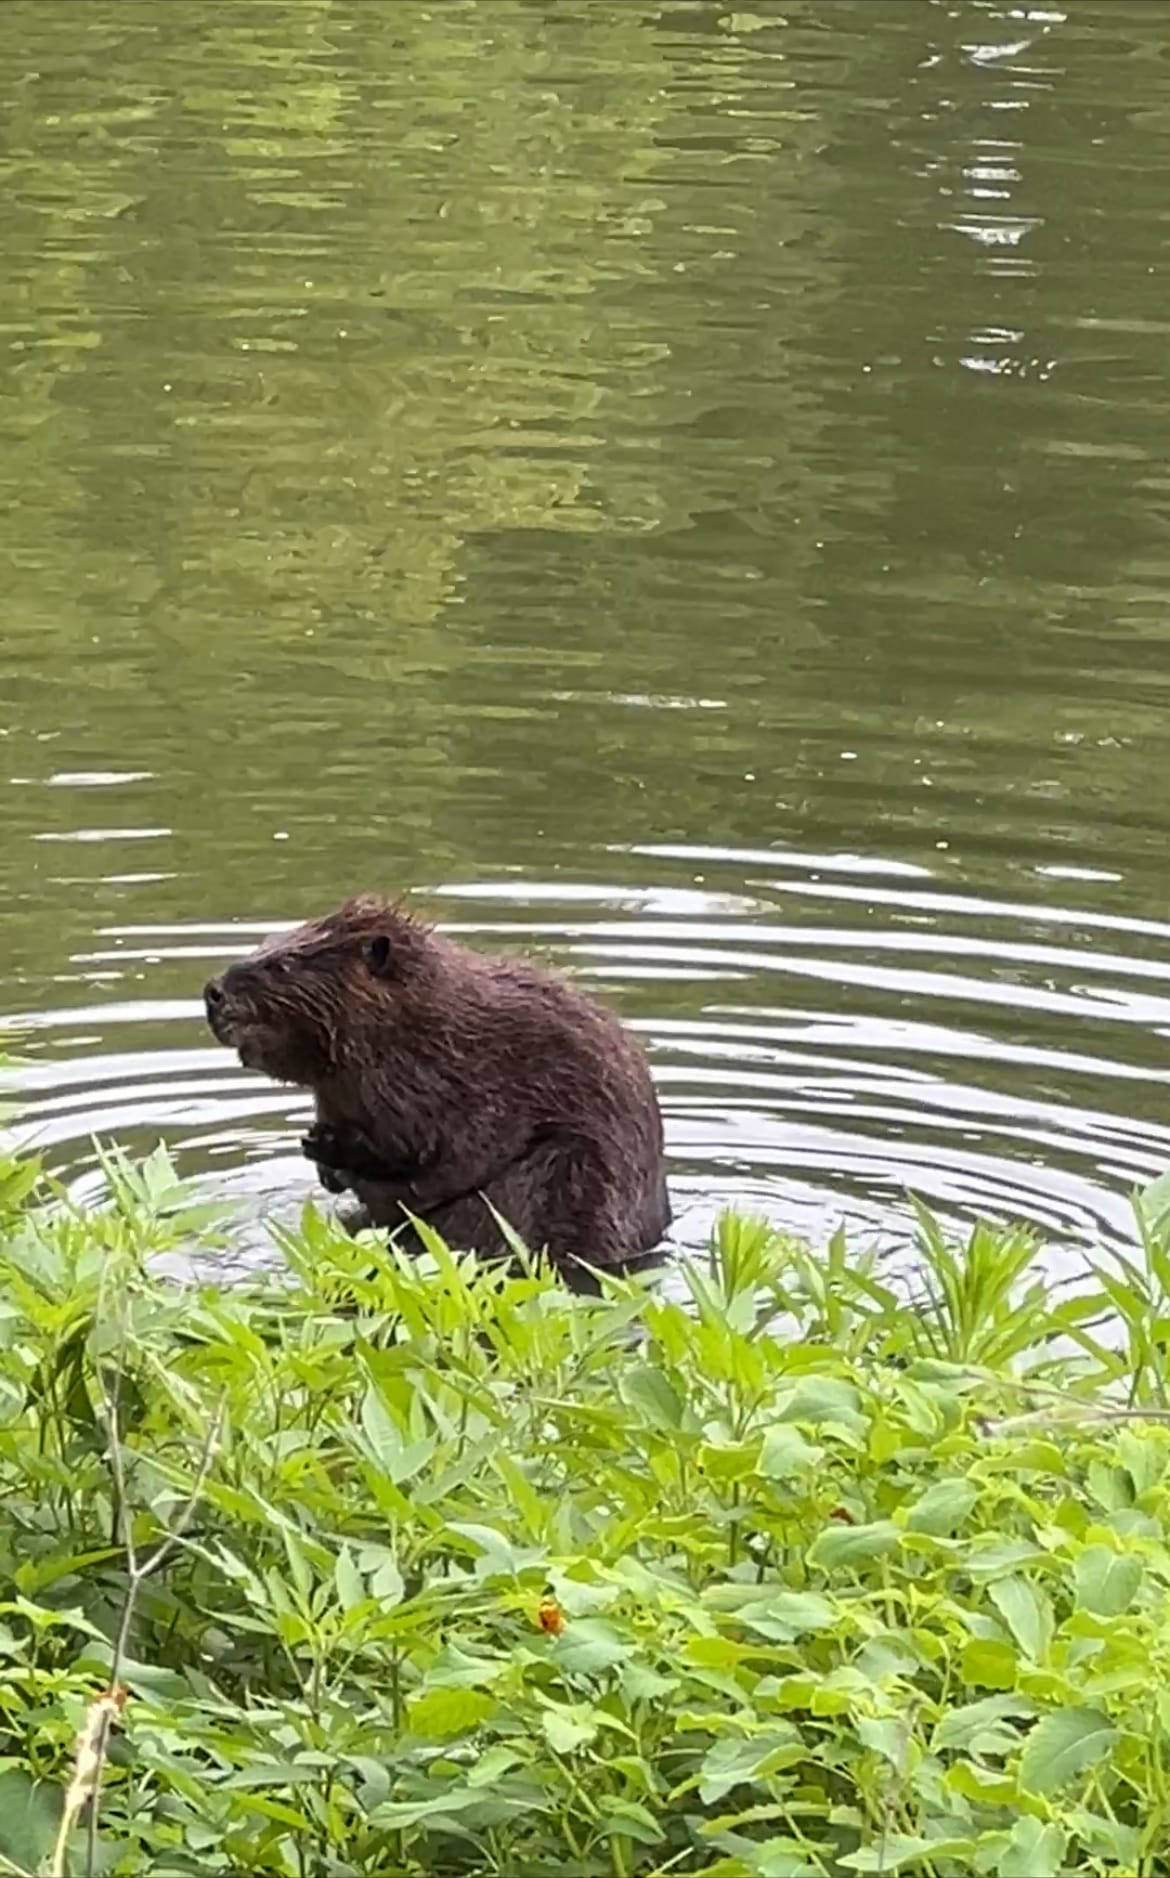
[(423, 1569)]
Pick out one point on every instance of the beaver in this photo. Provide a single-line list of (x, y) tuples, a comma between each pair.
[(456, 1085)]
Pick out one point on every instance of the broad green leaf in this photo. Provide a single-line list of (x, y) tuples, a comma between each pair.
[(568, 1728), (839, 1547), (491, 1765), (1063, 1745), (1026, 1612), (898, 1849), (1143, 1454), (888, 1736), (29, 1814), (497, 1556), (987, 1786), (381, 1567), (817, 1400), (629, 1819), (788, 1614), (395, 1815), (454, 1668), (990, 1556), (786, 1453), (381, 1431), (798, 1611), (1103, 1838), (1035, 1849), (448, 1711), (591, 1644), (730, 1762), (639, 1683), (942, 1509), (983, 1727), (1106, 1581), (375, 1779), (1112, 1486), (273, 1774), (651, 1395), (777, 1858), (989, 1665)]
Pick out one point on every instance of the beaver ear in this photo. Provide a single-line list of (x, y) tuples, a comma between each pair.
[(377, 954)]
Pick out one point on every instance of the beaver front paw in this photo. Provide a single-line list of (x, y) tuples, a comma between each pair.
[(324, 1145), (347, 1155)]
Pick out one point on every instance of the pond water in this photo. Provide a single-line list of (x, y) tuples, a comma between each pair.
[(678, 486)]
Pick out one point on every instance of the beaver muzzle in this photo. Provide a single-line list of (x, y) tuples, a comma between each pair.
[(239, 1014), (228, 1017)]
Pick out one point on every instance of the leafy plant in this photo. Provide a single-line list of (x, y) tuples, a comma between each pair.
[(412, 1567)]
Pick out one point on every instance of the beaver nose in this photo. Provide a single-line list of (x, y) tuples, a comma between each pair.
[(213, 994)]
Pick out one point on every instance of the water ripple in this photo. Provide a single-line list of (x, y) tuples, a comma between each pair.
[(964, 1049)]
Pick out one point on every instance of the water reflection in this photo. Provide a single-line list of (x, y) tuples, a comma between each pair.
[(683, 486)]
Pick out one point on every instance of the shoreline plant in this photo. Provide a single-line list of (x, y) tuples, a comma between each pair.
[(396, 1567)]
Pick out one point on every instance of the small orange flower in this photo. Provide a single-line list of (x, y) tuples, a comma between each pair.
[(550, 1616)]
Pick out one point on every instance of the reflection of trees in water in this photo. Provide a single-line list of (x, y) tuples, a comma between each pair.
[(384, 285), (412, 406), (343, 318), (989, 521), (691, 602)]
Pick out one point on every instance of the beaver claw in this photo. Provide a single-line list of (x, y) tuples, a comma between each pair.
[(324, 1145), (347, 1157)]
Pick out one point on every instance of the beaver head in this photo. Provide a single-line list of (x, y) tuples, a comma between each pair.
[(291, 1007)]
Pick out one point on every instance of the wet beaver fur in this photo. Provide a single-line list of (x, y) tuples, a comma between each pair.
[(445, 1079)]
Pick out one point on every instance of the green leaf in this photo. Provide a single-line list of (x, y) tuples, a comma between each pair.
[(448, 1711), (731, 1761), (351, 1589), (629, 1819), (788, 1614), (29, 1814), (273, 1774), (1105, 1839), (381, 1431), (568, 1728), (395, 1815), (1034, 1850), (781, 1857), (652, 1396), (1153, 1203), (454, 1668), (983, 1727), (887, 1735), (491, 1765), (896, 1849), (381, 1567), (1063, 1745), (1026, 1612), (840, 1546), (589, 1645), (989, 1664), (1142, 1453), (786, 1453), (498, 1557), (817, 1400), (1106, 1581), (942, 1509)]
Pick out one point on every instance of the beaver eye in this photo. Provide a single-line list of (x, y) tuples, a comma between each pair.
[(377, 952)]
